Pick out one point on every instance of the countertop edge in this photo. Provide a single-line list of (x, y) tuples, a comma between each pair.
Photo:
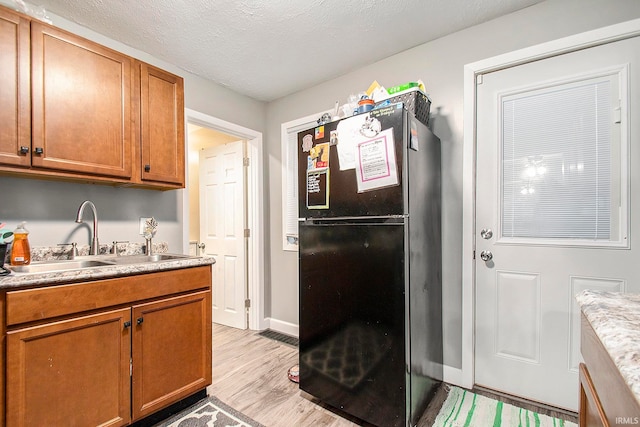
[(19, 280), (615, 318)]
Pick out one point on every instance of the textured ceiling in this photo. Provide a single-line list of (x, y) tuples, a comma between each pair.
[(267, 49)]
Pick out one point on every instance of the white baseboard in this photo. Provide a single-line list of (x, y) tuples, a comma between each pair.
[(281, 326)]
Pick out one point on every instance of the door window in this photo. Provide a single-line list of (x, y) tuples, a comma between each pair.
[(562, 164)]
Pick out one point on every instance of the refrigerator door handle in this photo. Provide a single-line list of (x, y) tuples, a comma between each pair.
[(361, 220)]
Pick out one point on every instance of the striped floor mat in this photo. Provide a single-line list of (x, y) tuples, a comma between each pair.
[(464, 408)]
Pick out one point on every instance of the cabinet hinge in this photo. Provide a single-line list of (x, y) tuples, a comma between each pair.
[(247, 303), (474, 254), (245, 161), (247, 232), (130, 367)]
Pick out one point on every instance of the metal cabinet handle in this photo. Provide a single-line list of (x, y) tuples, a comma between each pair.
[(486, 255), (24, 150), (147, 168), (39, 150), (127, 323), (140, 320)]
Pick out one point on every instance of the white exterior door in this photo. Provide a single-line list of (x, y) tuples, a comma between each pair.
[(552, 212), (222, 224)]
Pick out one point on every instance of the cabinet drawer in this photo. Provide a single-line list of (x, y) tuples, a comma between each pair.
[(43, 303)]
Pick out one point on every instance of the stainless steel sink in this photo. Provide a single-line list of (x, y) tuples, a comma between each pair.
[(94, 261), (141, 259), (51, 266)]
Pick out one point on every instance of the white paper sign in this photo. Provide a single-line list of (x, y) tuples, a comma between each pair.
[(376, 162), (348, 137)]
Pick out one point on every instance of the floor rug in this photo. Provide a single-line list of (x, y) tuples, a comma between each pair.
[(464, 408), (209, 412)]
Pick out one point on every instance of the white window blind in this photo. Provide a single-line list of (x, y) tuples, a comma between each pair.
[(291, 213), (289, 137), (557, 178)]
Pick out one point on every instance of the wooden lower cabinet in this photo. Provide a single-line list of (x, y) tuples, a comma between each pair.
[(605, 397), (70, 373), (591, 412), (171, 351), (114, 365)]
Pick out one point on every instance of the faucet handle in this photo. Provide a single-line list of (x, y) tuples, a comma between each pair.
[(114, 250), (74, 249)]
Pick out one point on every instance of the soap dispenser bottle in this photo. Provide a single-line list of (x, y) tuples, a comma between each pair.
[(20, 250)]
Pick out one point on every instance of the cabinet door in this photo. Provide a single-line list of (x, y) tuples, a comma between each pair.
[(15, 114), (171, 351), (161, 126), (81, 104), (70, 373)]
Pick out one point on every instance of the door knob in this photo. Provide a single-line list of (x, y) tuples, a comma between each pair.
[(486, 255), (486, 233)]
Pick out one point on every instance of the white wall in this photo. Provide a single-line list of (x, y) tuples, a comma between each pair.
[(50, 207), (440, 65)]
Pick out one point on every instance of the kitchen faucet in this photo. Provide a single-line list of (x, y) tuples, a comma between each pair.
[(95, 246)]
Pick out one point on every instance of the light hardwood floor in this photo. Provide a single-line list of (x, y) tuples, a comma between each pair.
[(250, 375)]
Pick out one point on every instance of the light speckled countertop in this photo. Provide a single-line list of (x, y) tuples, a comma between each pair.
[(615, 317), (17, 280)]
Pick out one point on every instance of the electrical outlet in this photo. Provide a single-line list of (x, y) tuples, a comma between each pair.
[(142, 225)]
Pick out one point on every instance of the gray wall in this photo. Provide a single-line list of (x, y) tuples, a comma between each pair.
[(440, 65), (50, 207)]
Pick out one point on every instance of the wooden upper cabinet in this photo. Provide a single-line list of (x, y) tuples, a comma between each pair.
[(15, 111), (76, 110), (161, 127), (81, 105)]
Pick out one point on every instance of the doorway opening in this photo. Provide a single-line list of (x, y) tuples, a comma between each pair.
[(204, 132)]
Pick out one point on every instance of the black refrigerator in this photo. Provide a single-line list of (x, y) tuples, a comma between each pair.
[(370, 265)]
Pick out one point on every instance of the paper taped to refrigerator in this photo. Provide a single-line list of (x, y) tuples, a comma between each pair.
[(376, 165), (349, 136), (318, 189)]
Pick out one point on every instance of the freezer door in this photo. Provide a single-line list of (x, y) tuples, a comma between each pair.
[(352, 318), (333, 192)]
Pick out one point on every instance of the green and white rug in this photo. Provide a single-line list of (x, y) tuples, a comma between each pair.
[(464, 408)]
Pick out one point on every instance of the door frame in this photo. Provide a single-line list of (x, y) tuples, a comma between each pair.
[(255, 209), (465, 376)]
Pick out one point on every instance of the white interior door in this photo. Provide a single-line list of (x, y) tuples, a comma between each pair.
[(222, 224), (552, 212)]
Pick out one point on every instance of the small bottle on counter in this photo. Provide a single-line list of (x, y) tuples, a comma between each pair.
[(20, 249)]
